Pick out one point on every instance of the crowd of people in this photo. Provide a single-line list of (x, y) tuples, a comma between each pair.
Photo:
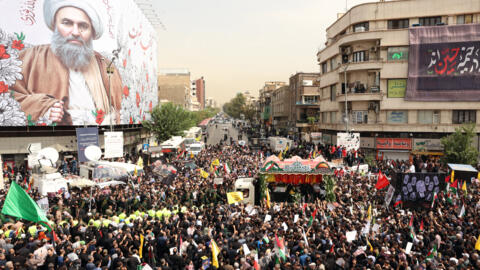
[(171, 222)]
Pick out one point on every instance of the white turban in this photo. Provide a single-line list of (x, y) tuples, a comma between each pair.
[(50, 8)]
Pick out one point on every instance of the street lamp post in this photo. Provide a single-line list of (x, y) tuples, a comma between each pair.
[(346, 103), (110, 71)]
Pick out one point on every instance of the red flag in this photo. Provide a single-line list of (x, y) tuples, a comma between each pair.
[(382, 181), (397, 203), (421, 226), (447, 179), (410, 224), (304, 207), (454, 184), (331, 249)]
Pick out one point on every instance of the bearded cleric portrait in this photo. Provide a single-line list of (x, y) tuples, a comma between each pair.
[(66, 82)]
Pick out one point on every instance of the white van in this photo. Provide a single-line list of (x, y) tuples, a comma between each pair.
[(195, 148)]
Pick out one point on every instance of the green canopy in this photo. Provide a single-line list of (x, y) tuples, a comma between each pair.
[(19, 204)]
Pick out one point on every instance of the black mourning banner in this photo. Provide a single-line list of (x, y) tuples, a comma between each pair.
[(419, 187)]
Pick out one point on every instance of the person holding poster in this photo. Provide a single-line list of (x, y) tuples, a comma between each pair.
[(66, 82)]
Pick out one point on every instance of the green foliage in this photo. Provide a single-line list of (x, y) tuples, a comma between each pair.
[(458, 147), (204, 114), (330, 185), (237, 106), (169, 120)]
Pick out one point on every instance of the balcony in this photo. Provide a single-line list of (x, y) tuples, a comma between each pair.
[(307, 103), (361, 92)]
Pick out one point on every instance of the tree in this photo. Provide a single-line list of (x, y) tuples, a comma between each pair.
[(236, 106), (169, 120), (204, 114), (458, 146)]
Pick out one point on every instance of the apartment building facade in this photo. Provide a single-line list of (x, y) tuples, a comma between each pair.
[(403, 71), (265, 102), (174, 86)]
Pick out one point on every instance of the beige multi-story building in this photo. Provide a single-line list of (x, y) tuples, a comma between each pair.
[(174, 85), (265, 101), (367, 54), (280, 106), (304, 101)]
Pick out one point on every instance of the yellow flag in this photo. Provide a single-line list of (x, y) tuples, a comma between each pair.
[(215, 252), (135, 171), (477, 245), (280, 155), (267, 195), (453, 176), (198, 138), (233, 197), (464, 187), (478, 175), (140, 250), (369, 245), (216, 162), (203, 173), (140, 162), (369, 212)]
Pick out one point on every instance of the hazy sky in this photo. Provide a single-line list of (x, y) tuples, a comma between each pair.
[(239, 45)]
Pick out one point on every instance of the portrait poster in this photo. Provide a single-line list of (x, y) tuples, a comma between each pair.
[(76, 62)]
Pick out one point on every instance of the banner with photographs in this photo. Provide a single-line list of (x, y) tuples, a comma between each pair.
[(418, 187)]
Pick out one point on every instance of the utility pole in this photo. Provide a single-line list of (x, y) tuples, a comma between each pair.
[(346, 102)]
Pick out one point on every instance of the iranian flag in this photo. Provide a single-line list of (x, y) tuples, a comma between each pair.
[(226, 168), (434, 198), (255, 262), (303, 208), (280, 248), (421, 226), (269, 166), (312, 217), (432, 252), (265, 239), (462, 211)]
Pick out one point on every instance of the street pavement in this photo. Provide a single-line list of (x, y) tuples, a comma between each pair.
[(216, 133)]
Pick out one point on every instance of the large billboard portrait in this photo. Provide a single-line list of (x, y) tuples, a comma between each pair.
[(444, 63), (76, 62)]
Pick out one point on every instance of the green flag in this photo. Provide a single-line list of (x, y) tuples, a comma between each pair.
[(19, 204)]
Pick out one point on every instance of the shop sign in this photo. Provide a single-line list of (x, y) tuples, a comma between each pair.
[(427, 144), (394, 143)]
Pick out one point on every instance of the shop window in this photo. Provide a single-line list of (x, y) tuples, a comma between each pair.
[(428, 117)]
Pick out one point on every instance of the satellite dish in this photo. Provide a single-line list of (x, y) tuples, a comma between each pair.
[(93, 153), (48, 154)]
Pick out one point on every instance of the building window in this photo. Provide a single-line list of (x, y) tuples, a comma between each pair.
[(428, 117), (310, 99), (360, 117), (430, 21), (333, 63), (463, 19), (397, 53), (324, 67), (360, 56), (398, 24), (324, 117), (397, 117), (360, 27), (464, 116), (333, 117), (333, 92)]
